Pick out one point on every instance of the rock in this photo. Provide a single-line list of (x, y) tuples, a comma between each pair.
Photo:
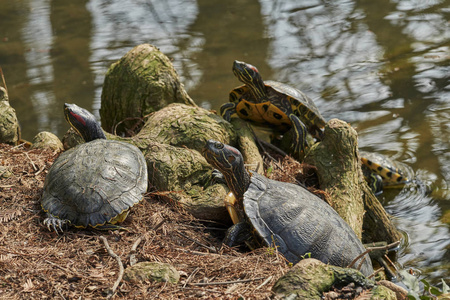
[(153, 271), (45, 140), (381, 292), (310, 278), (9, 125), (141, 82), (71, 139), (339, 170), (247, 145), (186, 126), (400, 293), (5, 172), (184, 172)]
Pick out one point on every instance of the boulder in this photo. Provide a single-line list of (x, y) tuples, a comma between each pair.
[(9, 125), (153, 271), (142, 81)]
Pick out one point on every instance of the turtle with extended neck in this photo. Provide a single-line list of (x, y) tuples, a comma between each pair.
[(283, 215), (96, 183)]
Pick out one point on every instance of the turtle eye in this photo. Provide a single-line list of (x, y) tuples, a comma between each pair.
[(219, 145), (231, 159)]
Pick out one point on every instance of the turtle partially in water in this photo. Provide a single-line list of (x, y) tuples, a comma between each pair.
[(382, 172), (96, 183), (283, 215)]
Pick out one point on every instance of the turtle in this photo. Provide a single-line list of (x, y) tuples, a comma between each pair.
[(380, 171), (274, 103), (95, 183), (283, 215)]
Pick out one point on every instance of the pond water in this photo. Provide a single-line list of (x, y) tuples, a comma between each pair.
[(381, 65)]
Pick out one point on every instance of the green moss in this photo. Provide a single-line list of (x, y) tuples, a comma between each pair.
[(382, 293), (153, 271), (310, 278)]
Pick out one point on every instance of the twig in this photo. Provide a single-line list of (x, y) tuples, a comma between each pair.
[(32, 163), (126, 119), (111, 253), (273, 148), (18, 146), (375, 272), (370, 249), (197, 242), (59, 292), (129, 119), (6, 186), (201, 253), (264, 283), (205, 290), (190, 276), (66, 270), (226, 282), (260, 143), (133, 259), (160, 291), (203, 227), (59, 267), (39, 172)]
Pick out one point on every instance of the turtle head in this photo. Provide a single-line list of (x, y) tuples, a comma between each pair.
[(83, 122), (249, 75), (229, 161)]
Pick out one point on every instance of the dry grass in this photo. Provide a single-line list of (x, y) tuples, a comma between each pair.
[(38, 264)]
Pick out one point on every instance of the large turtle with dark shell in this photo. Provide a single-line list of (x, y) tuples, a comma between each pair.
[(283, 215), (96, 183), (274, 103)]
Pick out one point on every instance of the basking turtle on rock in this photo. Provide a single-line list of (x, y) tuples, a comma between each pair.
[(96, 183), (275, 103), (284, 107), (283, 215)]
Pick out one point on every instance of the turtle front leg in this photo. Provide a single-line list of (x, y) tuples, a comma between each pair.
[(238, 234), (227, 110), (300, 142), (54, 223)]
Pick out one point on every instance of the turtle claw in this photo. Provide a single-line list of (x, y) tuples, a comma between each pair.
[(54, 223)]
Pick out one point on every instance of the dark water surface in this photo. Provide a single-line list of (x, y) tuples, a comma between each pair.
[(381, 65)]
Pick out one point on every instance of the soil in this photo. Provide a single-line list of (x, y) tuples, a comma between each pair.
[(36, 263)]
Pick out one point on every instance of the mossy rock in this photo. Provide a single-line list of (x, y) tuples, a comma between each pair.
[(186, 126), (382, 293), (310, 278), (184, 172), (339, 170), (71, 138), (9, 125), (247, 145), (5, 172), (47, 140), (446, 217), (142, 81), (153, 271)]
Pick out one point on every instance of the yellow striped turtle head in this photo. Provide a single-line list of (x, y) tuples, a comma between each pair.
[(229, 161), (249, 75)]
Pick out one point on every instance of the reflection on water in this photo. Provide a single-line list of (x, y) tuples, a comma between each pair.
[(380, 65)]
